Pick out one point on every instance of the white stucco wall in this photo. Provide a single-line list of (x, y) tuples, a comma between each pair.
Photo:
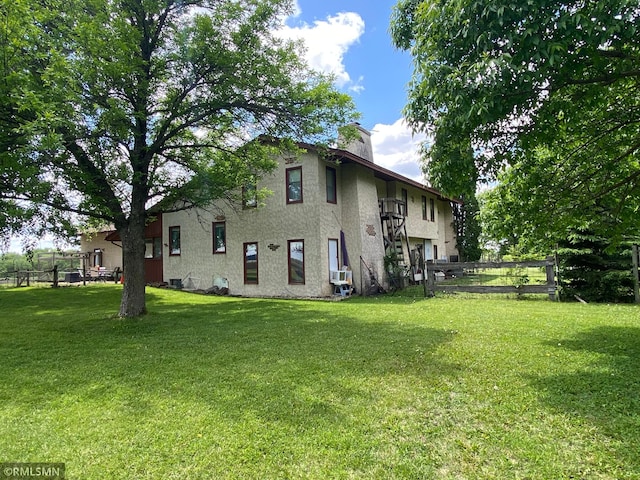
[(111, 253), (361, 222), (314, 221)]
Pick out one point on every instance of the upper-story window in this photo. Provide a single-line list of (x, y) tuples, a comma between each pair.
[(249, 195), (294, 185), (332, 195), (424, 208), (432, 209)]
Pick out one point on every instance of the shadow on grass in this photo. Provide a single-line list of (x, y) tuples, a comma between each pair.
[(299, 363), (32, 302), (605, 394)]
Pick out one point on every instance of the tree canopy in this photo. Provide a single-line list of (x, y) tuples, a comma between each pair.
[(542, 95), (111, 106)]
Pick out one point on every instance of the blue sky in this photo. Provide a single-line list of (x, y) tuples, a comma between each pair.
[(350, 38), (378, 72)]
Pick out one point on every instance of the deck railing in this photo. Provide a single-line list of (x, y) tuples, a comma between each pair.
[(392, 207)]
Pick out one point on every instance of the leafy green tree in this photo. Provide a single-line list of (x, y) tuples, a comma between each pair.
[(467, 227), (41, 259), (11, 262), (547, 92), (116, 105), (510, 225)]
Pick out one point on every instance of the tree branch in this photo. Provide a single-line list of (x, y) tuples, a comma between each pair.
[(92, 174)]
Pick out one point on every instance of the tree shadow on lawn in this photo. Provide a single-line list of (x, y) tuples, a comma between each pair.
[(34, 300), (294, 363), (605, 395)]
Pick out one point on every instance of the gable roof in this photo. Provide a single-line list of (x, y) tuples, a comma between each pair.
[(379, 172)]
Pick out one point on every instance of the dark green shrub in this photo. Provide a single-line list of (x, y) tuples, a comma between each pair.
[(594, 270)]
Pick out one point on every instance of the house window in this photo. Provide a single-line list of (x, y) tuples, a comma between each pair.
[(424, 207), (296, 262), (435, 252), (219, 237), (332, 196), (153, 247), (97, 257), (405, 199), (174, 240), (432, 209), (249, 196), (251, 263), (148, 248), (294, 185)]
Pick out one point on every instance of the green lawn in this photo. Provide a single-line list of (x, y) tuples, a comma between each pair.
[(371, 388)]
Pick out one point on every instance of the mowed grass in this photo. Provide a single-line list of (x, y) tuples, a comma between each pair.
[(371, 388)]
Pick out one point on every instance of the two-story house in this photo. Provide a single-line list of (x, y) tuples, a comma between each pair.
[(328, 212)]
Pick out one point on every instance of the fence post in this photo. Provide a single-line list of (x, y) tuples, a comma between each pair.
[(424, 276), (430, 279), (636, 277), (551, 278), (423, 269)]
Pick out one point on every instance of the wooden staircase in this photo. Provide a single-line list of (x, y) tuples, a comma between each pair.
[(393, 215)]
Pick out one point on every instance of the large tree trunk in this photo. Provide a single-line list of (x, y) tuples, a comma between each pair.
[(133, 302)]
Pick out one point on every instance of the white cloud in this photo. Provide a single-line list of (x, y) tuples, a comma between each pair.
[(357, 87), (396, 148), (327, 41)]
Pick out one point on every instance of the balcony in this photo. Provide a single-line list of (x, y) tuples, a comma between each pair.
[(392, 208)]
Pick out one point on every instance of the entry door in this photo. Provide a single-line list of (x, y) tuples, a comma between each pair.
[(333, 254), (428, 250)]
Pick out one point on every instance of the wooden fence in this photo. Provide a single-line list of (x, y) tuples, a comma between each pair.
[(54, 276), (25, 277), (453, 274)]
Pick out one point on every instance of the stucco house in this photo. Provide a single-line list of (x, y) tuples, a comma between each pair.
[(333, 212)]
